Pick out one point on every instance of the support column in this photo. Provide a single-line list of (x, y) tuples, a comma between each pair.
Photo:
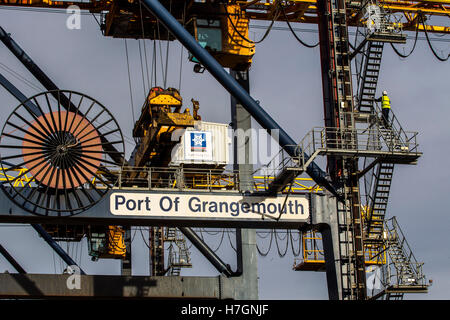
[(247, 283), (125, 266)]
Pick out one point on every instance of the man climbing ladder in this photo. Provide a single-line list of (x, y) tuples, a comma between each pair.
[(385, 107)]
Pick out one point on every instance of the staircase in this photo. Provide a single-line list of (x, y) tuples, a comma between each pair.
[(403, 274), (370, 74), (179, 255), (378, 201)]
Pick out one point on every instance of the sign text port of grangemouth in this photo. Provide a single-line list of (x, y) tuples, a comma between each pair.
[(208, 206)]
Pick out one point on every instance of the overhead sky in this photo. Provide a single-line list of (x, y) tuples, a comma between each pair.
[(285, 78)]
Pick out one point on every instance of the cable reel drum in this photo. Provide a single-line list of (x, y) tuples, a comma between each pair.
[(61, 152)]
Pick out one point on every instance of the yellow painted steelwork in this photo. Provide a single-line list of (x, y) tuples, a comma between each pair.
[(298, 11), (116, 244), (236, 52), (20, 182), (299, 184)]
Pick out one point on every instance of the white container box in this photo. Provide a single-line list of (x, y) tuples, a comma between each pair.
[(205, 144)]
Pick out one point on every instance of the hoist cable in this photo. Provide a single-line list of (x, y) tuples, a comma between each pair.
[(167, 50), (129, 81), (182, 48), (142, 70), (21, 78), (293, 32), (143, 40), (160, 51), (154, 60)]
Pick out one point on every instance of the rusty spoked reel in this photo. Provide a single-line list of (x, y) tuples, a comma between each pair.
[(61, 152)]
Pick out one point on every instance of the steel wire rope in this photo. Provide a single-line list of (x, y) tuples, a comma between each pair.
[(142, 69), (154, 58), (167, 50), (292, 30), (21, 78), (160, 51), (275, 17), (143, 41), (129, 80), (429, 42), (182, 48), (270, 246), (412, 50)]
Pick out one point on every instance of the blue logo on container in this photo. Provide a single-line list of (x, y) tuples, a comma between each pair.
[(198, 142)]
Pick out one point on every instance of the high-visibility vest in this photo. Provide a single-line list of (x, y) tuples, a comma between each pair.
[(385, 102)]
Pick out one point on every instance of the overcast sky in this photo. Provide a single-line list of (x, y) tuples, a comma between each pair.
[(285, 78)]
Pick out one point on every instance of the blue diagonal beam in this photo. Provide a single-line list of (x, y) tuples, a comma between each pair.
[(233, 87)]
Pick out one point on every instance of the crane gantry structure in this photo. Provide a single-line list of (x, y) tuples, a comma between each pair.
[(361, 147)]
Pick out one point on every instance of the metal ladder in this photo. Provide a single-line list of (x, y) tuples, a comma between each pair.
[(179, 255), (378, 201), (370, 74)]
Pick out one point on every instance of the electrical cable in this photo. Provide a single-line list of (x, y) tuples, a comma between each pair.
[(292, 30), (256, 26), (281, 255), (275, 17), (429, 42), (296, 254), (412, 50), (264, 254), (231, 242), (258, 233), (221, 240)]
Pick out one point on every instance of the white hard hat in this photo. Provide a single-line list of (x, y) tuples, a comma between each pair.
[(385, 92)]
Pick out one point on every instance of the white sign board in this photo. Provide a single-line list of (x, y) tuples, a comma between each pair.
[(208, 206)]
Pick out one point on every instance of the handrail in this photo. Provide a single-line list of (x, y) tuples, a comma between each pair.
[(395, 233)]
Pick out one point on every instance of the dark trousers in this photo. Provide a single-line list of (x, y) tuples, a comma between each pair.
[(385, 113)]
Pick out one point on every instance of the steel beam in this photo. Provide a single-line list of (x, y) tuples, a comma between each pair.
[(55, 246), (11, 260), (16, 93), (100, 286), (233, 87), (206, 251)]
